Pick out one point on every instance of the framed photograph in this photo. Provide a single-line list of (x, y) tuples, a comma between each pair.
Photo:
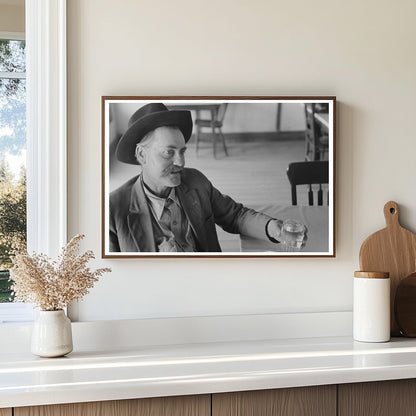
[(218, 176)]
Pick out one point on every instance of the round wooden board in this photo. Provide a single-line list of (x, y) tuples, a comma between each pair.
[(405, 306)]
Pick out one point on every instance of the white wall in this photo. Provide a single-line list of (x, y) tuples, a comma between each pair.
[(12, 17), (361, 52)]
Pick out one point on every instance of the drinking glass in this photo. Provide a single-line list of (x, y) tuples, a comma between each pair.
[(293, 233)]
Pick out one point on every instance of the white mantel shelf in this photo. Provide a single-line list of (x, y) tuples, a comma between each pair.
[(151, 371)]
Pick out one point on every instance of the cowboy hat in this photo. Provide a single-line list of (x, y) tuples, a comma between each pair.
[(144, 120)]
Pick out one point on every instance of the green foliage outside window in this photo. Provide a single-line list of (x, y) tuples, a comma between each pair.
[(12, 223)]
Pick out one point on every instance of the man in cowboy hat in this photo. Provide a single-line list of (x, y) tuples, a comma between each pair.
[(167, 207)]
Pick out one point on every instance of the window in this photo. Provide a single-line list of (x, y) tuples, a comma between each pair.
[(46, 135), (12, 156)]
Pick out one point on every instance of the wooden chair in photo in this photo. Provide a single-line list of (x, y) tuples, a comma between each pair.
[(309, 173), (215, 124)]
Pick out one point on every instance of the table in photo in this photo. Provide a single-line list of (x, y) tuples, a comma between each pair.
[(316, 219), (316, 133), (323, 120)]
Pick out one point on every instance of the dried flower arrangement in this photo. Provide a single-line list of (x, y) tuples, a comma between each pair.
[(52, 285)]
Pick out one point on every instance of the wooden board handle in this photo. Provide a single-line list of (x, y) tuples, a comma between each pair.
[(391, 214)]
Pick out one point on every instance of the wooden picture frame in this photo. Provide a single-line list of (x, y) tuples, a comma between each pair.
[(242, 149)]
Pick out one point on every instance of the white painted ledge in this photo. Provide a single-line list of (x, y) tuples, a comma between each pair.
[(152, 371)]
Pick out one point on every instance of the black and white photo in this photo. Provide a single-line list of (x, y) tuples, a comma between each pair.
[(218, 176)]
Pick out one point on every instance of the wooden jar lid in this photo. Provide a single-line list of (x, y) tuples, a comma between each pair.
[(372, 275)]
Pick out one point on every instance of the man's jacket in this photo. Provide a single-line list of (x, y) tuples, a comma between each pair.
[(130, 222)]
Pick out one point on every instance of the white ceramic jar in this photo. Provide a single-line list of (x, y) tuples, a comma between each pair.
[(371, 306)]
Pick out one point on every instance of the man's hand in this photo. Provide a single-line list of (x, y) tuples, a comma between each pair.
[(277, 233)]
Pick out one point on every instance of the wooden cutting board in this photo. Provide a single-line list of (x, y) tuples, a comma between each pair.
[(393, 250)]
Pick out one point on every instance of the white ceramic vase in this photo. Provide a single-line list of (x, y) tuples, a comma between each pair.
[(52, 334)]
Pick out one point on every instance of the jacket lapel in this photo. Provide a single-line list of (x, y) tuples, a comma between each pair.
[(191, 204), (139, 219)]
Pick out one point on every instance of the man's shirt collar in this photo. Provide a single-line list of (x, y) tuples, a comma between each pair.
[(158, 203)]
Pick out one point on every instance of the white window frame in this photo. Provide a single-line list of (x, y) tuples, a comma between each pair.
[(46, 135)]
